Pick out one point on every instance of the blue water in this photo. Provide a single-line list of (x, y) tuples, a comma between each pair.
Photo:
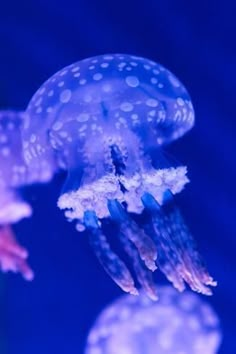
[(53, 314)]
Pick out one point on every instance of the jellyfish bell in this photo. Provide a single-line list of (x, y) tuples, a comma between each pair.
[(130, 94), (99, 119), (13, 175), (174, 324)]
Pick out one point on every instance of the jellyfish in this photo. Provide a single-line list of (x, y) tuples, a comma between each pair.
[(13, 175), (175, 324), (105, 120)]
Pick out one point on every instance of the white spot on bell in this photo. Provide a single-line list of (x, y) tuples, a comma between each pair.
[(65, 96), (180, 101), (126, 107), (104, 65), (83, 117), (57, 126), (33, 138), (154, 80), (151, 102), (97, 76), (76, 68), (132, 81)]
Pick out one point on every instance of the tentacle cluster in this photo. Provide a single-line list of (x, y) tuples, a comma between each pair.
[(162, 241), (178, 257)]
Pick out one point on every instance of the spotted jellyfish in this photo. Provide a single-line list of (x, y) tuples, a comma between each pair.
[(104, 120), (175, 324), (13, 175)]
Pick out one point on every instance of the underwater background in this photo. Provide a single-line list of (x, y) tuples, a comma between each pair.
[(196, 41)]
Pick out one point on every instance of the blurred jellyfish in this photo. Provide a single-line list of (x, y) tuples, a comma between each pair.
[(13, 175), (177, 324), (104, 120)]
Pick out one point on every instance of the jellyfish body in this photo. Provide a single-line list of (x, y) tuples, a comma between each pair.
[(13, 175), (103, 119), (175, 324)]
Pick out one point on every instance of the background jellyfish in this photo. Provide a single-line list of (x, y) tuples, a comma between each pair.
[(175, 324), (104, 120), (13, 175)]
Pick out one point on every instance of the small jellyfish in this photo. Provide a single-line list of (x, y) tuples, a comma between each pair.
[(104, 120), (177, 324), (13, 175)]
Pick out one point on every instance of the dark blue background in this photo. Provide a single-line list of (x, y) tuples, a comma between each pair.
[(195, 40)]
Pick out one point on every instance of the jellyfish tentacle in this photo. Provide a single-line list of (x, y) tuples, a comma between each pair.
[(144, 275), (193, 269), (142, 271), (128, 227), (13, 257), (111, 263), (167, 259)]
